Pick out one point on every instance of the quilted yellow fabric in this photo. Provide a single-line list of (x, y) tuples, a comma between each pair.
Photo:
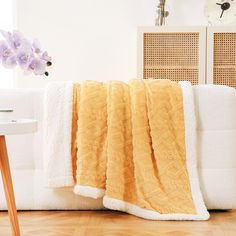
[(130, 144)]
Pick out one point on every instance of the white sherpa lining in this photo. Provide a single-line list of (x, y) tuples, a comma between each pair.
[(88, 191), (57, 135)]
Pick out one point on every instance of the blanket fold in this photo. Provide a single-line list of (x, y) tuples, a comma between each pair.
[(135, 146), (91, 140), (57, 135)]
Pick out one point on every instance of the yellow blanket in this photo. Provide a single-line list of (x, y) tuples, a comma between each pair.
[(129, 147)]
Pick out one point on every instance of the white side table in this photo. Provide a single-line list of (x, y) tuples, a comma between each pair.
[(8, 128)]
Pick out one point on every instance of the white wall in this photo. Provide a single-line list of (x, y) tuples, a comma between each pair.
[(6, 23), (186, 12), (94, 39)]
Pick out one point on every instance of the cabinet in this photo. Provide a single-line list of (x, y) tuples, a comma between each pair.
[(196, 54)]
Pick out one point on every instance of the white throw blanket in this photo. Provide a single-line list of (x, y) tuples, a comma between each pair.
[(57, 135)]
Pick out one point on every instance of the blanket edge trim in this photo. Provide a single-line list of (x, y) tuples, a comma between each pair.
[(191, 144), (88, 191)]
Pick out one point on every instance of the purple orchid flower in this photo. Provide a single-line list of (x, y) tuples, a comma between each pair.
[(36, 46), (5, 51), (46, 57), (37, 66), (10, 62), (14, 39), (23, 58), (17, 50)]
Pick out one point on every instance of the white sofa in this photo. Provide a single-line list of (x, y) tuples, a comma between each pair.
[(216, 116)]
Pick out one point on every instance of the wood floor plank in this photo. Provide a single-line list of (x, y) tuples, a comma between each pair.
[(109, 223)]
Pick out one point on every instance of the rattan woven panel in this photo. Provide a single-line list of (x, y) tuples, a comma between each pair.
[(224, 71), (173, 56)]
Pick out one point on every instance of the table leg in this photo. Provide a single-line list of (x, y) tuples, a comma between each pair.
[(7, 182)]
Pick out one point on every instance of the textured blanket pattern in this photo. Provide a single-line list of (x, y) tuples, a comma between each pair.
[(129, 147)]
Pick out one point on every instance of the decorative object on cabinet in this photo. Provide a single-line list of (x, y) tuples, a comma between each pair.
[(175, 53), (197, 54), (162, 13), (219, 12)]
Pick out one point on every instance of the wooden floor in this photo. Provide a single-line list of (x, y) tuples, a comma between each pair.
[(109, 223)]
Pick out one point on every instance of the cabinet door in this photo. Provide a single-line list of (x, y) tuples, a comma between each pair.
[(175, 53), (221, 55)]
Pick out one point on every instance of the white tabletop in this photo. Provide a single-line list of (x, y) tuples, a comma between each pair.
[(21, 126)]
